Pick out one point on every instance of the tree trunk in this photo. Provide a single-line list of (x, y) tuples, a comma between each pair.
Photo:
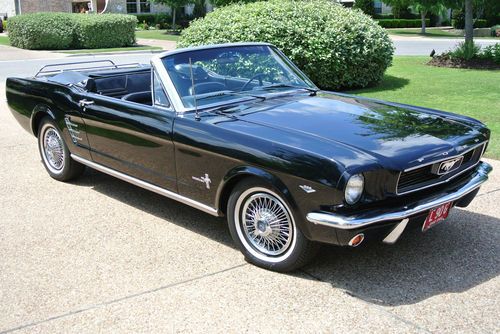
[(469, 22), (422, 16), (173, 18)]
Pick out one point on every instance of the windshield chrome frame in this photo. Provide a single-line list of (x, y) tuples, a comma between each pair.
[(175, 99)]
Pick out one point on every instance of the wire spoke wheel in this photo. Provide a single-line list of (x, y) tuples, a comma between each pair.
[(53, 150), (266, 224)]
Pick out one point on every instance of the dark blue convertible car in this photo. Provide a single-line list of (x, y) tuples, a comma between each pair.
[(238, 130)]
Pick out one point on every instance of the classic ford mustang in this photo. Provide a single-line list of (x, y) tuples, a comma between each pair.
[(238, 130)]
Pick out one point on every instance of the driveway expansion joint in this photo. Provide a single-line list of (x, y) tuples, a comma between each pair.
[(117, 300), (489, 192)]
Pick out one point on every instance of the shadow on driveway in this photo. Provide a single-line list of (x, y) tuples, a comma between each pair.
[(452, 257)]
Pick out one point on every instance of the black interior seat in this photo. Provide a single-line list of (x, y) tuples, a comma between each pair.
[(139, 97)]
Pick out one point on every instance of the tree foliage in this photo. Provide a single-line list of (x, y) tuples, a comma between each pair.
[(174, 5), (366, 6), (424, 7)]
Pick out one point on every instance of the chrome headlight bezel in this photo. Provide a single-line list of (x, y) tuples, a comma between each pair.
[(354, 188)]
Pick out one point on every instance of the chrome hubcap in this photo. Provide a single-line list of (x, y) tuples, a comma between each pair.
[(266, 224), (53, 149)]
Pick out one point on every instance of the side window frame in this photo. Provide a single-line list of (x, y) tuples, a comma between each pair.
[(154, 75)]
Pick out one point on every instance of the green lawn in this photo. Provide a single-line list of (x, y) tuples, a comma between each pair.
[(130, 48), (473, 93), (156, 34), (4, 40)]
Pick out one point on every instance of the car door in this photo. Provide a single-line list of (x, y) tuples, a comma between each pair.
[(132, 138)]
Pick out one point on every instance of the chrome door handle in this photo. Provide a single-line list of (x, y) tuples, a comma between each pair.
[(85, 102)]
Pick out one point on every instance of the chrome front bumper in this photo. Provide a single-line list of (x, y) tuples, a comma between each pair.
[(333, 220)]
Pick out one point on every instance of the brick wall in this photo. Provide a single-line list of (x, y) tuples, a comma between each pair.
[(33, 6)]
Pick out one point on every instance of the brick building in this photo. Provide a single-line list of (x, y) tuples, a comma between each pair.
[(17, 7)]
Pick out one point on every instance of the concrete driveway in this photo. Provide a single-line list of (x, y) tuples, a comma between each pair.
[(100, 255)]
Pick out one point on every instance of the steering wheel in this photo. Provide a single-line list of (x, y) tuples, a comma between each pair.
[(258, 75)]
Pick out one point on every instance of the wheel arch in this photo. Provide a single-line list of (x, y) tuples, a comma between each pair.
[(236, 175), (39, 112)]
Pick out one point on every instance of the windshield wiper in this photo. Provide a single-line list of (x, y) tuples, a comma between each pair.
[(225, 93), (313, 91)]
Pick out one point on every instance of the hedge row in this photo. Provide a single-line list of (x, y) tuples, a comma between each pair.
[(403, 15), (402, 23), (59, 31), (164, 20), (480, 23), (154, 19)]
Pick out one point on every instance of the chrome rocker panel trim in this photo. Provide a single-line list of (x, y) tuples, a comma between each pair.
[(352, 222), (148, 186)]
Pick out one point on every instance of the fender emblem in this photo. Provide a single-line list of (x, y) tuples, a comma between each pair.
[(204, 179), (72, 129), (307, 189)]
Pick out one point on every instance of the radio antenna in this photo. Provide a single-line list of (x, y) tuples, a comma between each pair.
[(197, 115)]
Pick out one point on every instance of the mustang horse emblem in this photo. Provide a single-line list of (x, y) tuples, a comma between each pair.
[(447, 166)]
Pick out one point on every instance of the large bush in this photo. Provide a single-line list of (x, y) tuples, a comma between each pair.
[(58, 31), (104, 31), (335, 46), (41, 31)]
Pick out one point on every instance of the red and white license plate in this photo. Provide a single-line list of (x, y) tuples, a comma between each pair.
[(436, 215)]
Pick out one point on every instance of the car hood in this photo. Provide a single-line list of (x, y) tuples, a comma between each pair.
[(397, 136)]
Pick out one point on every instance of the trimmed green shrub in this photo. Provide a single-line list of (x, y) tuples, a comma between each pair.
[(163, 19), (491, 52), (466, 51), (495, 31), (458, 18), (104, 31), (480, 23), (41, 31), (59, 31), (335, 46), (403, 23)]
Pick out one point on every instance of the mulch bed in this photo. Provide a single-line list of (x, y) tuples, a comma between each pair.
[(475, 63)]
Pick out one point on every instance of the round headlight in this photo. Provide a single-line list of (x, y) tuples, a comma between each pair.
[(354, 188)]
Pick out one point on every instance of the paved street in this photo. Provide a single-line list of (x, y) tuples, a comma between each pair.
[(422, 46), (100, 255)]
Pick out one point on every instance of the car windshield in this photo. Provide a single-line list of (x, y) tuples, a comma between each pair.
[(224, 74)]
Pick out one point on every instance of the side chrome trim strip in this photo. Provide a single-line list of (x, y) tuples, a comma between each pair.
[(148, 186), (392, 237), (375, 216)]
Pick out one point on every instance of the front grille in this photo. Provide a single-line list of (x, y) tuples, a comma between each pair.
[(423, 177)]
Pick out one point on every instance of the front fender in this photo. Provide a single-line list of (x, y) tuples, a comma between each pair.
[(291, 187), (234, 175)]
